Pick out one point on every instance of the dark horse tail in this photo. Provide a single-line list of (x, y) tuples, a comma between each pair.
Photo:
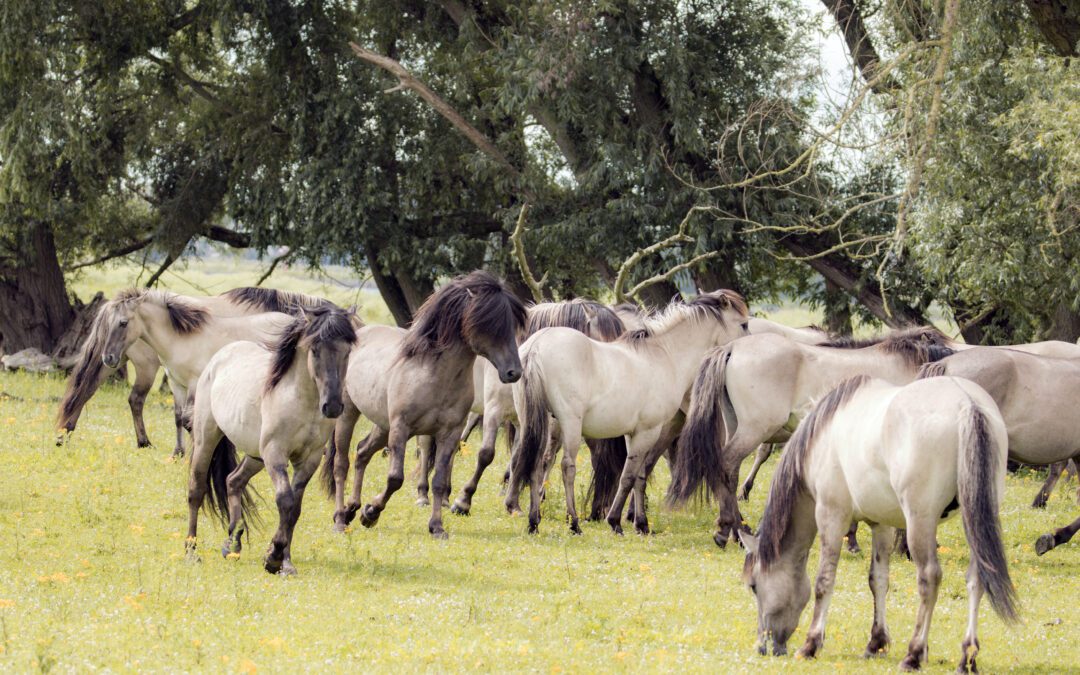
[(608, 457), (699, 457), (534, 428), (222, 463), (977, 482)]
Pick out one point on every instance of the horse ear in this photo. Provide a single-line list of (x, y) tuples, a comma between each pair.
[(351, 311), (469, 292), (309, 314), (749, 542)]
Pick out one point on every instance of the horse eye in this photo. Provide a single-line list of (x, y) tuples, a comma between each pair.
[(753, 588), (123, 322)]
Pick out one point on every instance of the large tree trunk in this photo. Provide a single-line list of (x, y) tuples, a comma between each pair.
[(1065, 325), (837, 310), (391, 292), (34, 307)]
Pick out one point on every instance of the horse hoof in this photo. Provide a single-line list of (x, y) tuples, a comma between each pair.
[(459, 510), (338, 527), (1039, 503), (178, 453), (287, 569), (534, 526), (272, 566), (910, 663), (575, 528), (439, 534), (854, 549), (641, 529), (423, 501), (1044, 544), (348, 515), (720, 540), (144, 444), (369, 516)]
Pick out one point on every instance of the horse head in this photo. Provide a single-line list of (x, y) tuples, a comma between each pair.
[(781, 591), (329, 335)]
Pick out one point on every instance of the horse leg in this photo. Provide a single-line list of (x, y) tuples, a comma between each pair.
[(637, 448), (923, 545), (760, 455), (285, 498), (882, 543), (511, 434), (302, 474), (641, 520), (1057, 538), (571, 440), (732, 455), (395, 475), (205, 441), (235, 484), (342, 440), (539, 476), (144, 381), (445, 448), (427, 462), (1047, 488), (463, 504), (969, 648), (852, 538), (180, 397), (831, 522), (471, 422)]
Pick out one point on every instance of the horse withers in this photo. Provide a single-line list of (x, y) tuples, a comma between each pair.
[(276, 404), (892, 456)]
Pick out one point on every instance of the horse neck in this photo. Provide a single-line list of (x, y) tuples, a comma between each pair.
[(685, 345), (800, 533), (874, 361), (298, 381), (158, 331)]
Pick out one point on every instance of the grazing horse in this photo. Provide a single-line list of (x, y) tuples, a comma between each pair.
[(90, 371), (496, 398), (419, 382), (632, 387), (894, 457), (1035, 395), (275, 404), (756, 389), (183, 335)]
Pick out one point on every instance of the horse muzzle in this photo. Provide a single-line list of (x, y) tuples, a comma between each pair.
[(332, 409), (110, 360), (510, 375)]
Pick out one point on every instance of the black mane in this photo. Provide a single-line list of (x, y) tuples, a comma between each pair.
[(924, 344), (595, 319), (319, 325), (473, 305), (274, 300)]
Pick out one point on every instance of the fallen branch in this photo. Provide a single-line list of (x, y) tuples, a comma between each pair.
[(535, 287)]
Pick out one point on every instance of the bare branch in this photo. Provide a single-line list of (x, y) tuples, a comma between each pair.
[(680, 237), (535, 287), (273, 265), (658, 278), (118, 253), (169, 260)]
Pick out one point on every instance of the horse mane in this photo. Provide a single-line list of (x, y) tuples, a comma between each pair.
[(274, 300), (318, 325), (595, 319), (184, 318), (788, 480), (702, 307), (923, 344), (86, 374), (470, 305)]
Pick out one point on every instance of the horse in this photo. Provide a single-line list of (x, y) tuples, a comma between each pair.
[(756, 389), (275, 403), (1056, 472), (632, 387), (1035, 394), (894, 456), (183, 334), (419, 382), (90, 371), (495, 398)]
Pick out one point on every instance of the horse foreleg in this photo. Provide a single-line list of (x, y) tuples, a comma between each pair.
[(395, 476), (571, 440), (923, 545), (484, 458), (344, 428), (1057, 538), (831, 523), (235, 484), (882, 544), (637, 450), (205, 442), (446, 446), (285, 498), (144, 381), (760, 455), (180, 398), (427, 462), (1052, 476), (302, 474)]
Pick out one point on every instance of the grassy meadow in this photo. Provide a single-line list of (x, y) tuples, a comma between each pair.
[(93, 576)]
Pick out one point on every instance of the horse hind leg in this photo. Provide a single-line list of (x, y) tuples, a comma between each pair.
[(463, 504), (760, 455), (969, 648), (206, 439), (1052, 476), (426, 464), (923, 545), (882, 544), (729, 518), (1056, 538), (236, 482), (571, 444), (395, 476)]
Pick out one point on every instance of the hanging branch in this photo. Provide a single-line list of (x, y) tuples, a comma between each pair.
[(118, 253), (273, 265), (536, 287), (680, 237)]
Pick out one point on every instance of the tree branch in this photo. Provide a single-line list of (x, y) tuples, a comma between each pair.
[(680, 237), (666, 276), (273, 265), (862, 50), (535, 287), (169, 260), (229, 237), (118, 253)]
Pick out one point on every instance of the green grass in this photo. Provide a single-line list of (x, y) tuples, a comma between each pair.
[(93, 576)]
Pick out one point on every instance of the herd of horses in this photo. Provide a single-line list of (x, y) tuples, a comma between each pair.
[(897, 432)]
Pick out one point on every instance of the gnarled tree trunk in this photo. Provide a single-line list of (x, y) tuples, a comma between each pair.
[(34, 306)]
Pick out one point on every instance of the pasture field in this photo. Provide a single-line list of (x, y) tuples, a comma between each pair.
[(93, 576)]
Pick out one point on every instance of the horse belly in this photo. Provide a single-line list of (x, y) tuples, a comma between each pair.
[(237, 411)]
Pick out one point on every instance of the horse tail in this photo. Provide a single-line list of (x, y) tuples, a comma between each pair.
[(699, 457), (326, 473), (977, 483), (931, 369), (608, 456), (534, 426)]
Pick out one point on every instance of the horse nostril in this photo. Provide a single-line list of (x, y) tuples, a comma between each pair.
[(513, 375)]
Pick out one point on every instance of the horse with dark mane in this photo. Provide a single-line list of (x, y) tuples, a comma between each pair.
[(419, 383), (90, 370), (756, 389), (275, 403), (892, 456)]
